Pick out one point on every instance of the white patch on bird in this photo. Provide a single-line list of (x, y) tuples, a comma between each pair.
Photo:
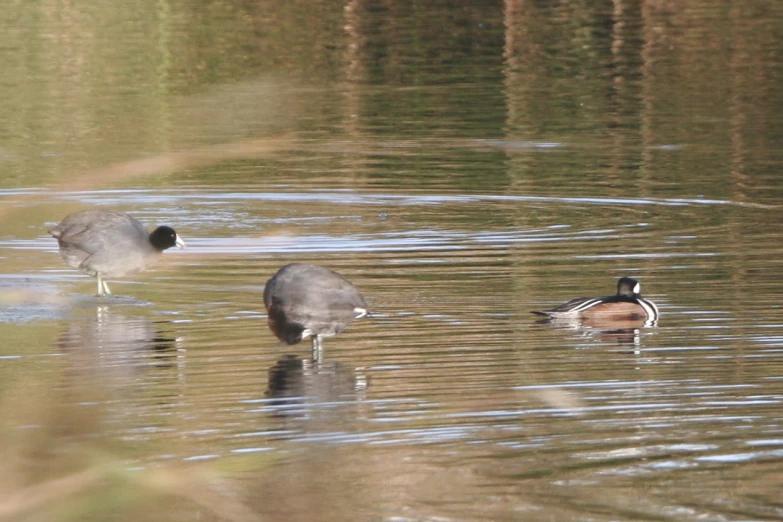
[(651, 309), (360, 312), (637, 289), (306, 333)]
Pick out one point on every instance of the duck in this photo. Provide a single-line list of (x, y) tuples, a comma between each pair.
[(627, 305)]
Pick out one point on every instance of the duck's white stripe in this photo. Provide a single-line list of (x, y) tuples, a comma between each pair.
[(360, 312), (650, 308), (573, 309), (581, 307)]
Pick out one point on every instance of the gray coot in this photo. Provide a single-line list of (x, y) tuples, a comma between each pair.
[(304, 300), (104, 243), (628, 303)]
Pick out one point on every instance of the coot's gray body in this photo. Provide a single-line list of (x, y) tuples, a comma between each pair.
[(305, 300), (104, 243)]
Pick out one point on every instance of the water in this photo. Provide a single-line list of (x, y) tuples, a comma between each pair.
[(461, 174)]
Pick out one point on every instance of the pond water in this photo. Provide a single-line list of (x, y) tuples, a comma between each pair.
[(463, 165)]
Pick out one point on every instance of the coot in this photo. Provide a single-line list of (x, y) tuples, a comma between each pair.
[(104, 243), (304, 300)]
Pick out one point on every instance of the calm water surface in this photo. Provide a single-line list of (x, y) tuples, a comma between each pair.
[(461, 174)]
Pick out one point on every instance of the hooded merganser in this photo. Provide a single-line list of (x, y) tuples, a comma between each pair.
[(628, 304)]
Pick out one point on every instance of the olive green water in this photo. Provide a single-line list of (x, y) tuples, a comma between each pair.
[(463, 165)]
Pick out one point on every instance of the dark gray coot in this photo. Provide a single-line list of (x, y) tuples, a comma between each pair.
[(104, 243), (304, 300)]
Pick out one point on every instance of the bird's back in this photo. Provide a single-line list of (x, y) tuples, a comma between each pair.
[(104, 241), (315, 297)]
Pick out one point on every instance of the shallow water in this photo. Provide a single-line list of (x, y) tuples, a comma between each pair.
[(458, 194), (452, 399)]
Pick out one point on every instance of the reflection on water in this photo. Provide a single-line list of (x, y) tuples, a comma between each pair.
[(313, 400), (621, 332), (111, 331), (116, 358), (322, 381)]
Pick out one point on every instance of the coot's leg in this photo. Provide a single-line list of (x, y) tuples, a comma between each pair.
[(103, 287), (318, 349)]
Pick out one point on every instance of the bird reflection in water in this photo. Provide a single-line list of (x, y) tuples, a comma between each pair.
[(625, 333), (115, 344), (117, 369), (295, 383)]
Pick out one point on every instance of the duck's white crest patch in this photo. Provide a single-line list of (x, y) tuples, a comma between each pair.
[(637, 289), (360, 312)]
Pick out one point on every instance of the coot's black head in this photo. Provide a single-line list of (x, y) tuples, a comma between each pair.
[(165, 237), (289, 332), (629, 287), (293, 335)]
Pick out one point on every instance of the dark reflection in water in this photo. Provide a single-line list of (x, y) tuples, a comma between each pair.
[(112, 346), (296, 386), (294, 377), (112, 332), (625, 333)]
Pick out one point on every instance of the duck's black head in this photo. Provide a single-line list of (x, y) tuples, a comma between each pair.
[(629, 287)]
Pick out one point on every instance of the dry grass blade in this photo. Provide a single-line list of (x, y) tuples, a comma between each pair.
[(14, 505), (201, 489), (172, 162), (158, 165), (198, 486)]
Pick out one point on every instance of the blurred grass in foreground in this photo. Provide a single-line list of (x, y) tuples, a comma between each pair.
[(53, 466)]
